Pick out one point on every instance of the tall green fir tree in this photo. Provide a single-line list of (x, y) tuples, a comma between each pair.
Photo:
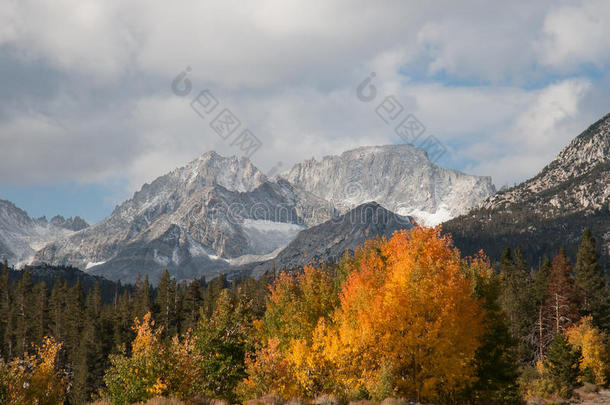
[(592, 282), (561, 364), (517, 300)]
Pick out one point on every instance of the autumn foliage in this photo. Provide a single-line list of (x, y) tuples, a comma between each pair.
[(405, 317), (33, 379), (406, 324)]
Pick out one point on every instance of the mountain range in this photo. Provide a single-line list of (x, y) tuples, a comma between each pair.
[(223, 215), (21, 235), (218, 214)]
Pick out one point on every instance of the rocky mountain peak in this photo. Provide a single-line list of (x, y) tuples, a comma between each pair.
[(232, 173), (399, 177)]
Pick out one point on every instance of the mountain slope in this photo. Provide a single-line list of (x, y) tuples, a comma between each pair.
[(328, 241), (21, 236), (399, 177), (549, 210)]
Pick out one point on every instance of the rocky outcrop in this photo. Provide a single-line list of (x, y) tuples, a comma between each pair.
[(550, 210)]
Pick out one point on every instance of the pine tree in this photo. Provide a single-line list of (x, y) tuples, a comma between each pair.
[(561, 364), (496, 358), (5, 304), (23, 324), (123, 318), (191, 306), (541, 333), (517, 300), (73, 319), (592, 282), (212, 292), (142, 297), (57, 309), (40, 313), (165, 304)]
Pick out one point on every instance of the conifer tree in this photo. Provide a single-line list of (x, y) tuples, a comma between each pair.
[(592, 282), (73, 319), (496, 358), (123, 318), (517, 300), (212, 292), (165, 304), (191, 305), (57, 309), (4, 308), (561, 364), (542, 327), (142, 297), (39, 312), (23, 324)]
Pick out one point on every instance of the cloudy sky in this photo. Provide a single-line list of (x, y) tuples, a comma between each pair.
[(87, 111)]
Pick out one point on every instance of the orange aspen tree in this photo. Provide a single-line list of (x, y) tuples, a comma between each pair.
[(409, 327)]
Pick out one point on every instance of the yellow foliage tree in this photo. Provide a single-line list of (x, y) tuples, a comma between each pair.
[(140, 376), (409, 327), (269, 372), (313, 371), (595, 360), (295, 305), (33, 379)]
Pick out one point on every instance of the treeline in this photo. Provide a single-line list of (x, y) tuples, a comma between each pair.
[(90, 322), (406, 318)]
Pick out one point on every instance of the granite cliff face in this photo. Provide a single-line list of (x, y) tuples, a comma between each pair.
[(399, 177), (551, 209)]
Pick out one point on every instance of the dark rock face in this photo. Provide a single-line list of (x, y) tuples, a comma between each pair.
[(72, 223), (328, 241), (550, 210)]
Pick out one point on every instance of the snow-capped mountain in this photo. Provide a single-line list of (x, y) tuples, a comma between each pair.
[(21, 236), (550, 210), (193, 220), (399, 177), (218, 213)]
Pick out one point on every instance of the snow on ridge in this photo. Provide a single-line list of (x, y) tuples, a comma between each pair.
[(426, 218), (271, 226), (93, 264)]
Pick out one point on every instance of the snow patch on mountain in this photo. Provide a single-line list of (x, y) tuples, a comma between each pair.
[(443, 214), (93, 264), (266, 236)]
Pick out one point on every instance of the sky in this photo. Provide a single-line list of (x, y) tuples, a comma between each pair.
[(89, 111)]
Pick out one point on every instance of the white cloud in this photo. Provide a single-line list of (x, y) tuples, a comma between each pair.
[(547, 121), (289, 70), (576, 35)]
